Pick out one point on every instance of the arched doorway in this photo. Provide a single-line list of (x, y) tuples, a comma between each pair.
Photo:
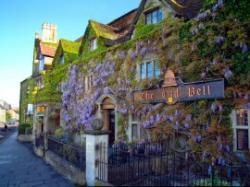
[(108, 113)]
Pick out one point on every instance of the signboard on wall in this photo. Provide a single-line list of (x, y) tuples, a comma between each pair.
[(172, 92), (40, 109)]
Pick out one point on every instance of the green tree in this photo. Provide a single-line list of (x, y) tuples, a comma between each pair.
[(8, 116)]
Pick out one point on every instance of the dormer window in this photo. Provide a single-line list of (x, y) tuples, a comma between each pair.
[(93, 44), (62, 59), (154, 16)]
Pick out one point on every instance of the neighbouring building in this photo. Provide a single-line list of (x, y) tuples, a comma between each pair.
[(2, 117), (13, 114)]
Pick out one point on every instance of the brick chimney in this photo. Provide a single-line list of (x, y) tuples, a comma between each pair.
[(49, 33)]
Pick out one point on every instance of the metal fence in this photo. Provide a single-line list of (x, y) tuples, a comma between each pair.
[(152, 164), (72, 153)]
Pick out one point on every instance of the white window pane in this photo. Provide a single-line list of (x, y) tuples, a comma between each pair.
[(150, 70), (242, 139), (241, 117), (142, 71), (93, 44), (148, 18), (86, 83), (155, 17), (62, 59), (134, 132), (157, 70), (160, 15), (41, 64)]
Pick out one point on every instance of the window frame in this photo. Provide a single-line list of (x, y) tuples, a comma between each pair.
[(41, 64), (88, 82), (62, 59), (93, 44), (150, 16), (144, 64), (236, 127), (134, 121)]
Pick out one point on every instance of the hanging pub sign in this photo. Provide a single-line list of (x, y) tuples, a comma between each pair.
[(40, 109), (174, 91)]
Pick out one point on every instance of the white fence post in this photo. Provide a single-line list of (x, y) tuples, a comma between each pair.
[(94, 138)]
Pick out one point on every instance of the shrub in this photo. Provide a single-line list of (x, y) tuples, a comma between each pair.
[(28, 130), (59, 133), (22, 128), (215, 182)]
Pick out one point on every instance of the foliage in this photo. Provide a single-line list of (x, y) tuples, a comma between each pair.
[(59, 133), (8, 116), (22, 128), (69, 153), (216, 181), (213, 45)]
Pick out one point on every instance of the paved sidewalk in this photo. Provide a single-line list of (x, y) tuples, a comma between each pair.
[(20, 167)]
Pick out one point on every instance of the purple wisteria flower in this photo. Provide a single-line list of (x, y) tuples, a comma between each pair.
[(214, 108), (218, 5), (186, 125), (219, 40), (227, 73), (122, 55), (134, 55), (221, 161), (188, 117), (197, 138), (152, 121), (203, 15), (143, 51), (244, 48)]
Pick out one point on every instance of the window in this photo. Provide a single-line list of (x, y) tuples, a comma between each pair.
[(157, 70), (88, 82), (41, 64), (30, 109), (241, 117), (135, 132), (62, 59), (241, 129), (154, 16), (142, 71), (93, 44), (149, 70), (242, 139)]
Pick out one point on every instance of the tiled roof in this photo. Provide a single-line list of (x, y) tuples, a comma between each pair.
[(122, 23), (185, 8), (47, 49), (116, 28)]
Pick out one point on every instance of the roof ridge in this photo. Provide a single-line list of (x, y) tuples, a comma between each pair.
[(122, 16), (102, 24)]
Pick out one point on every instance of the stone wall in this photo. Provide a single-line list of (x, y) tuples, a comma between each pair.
[(24, 138), (66, 169)]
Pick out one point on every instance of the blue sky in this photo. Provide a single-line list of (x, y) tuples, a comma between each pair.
[(20, 19)]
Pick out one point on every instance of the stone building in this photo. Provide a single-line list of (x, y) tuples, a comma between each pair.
[(147, 49)]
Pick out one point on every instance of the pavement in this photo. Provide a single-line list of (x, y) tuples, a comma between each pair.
[(20, 167), (4, 134)]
